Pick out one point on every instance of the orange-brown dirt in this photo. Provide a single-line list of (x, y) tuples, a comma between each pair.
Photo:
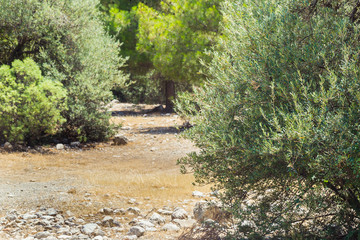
[(85, 180)]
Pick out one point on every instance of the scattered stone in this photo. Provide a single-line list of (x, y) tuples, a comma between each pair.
[(120, 211), (75, 144), (197, 194), (130, 237), (106, 211), (157, 218), (64, 237), (51, 212), (41, 235), (170, 227), (98, 238), (8, 146), (179, 213), (145, 224), (165, 212), (28, 216), (132, 201), (120, 140), (69, 213), (185, 223), (214, 193), (110, 222), (137, 231), (134, 210), (89, 228), (60, 146)]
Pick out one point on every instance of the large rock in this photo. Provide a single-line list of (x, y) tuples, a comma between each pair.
[(179, 213), (120, 140)]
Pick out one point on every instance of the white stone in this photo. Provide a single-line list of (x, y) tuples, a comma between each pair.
[(185, 223), (98, 238), (170, 227), (145, 224), (197, 194), (64, 237), (179, 213), (130, 237), (164, 212), (89, 228), (51, 212), (60, 146), (28, 216)]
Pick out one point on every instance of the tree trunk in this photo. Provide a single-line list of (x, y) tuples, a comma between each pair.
[(169, 95)]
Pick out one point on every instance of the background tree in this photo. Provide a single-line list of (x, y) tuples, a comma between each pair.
[(175, 37), (121, 21), (279, 121), (68, 42)]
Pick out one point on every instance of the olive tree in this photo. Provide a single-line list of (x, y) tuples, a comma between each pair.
[(278, 120)]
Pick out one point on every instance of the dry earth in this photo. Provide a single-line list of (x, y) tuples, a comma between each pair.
[(141, 174)]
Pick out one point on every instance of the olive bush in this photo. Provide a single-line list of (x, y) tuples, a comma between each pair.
[(30, 104), (67, 40), (278, 120)]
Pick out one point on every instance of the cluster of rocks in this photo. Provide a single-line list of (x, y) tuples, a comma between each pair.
[(61, 146), (108, 223), (23, 148)]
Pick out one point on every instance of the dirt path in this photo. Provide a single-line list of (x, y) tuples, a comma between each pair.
[(86, 180)]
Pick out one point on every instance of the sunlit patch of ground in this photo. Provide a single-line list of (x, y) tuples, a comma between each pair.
[(105, 176)]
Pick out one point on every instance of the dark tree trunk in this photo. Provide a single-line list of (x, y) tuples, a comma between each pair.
[(169, 95)]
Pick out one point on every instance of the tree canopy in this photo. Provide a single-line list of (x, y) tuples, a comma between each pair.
[(278, 125)]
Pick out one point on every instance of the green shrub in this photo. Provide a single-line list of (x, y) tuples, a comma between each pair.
[(67, 40), (30, 104), (279, 118)]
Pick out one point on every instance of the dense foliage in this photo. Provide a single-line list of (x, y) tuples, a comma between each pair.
[(278, 121), (68, 41), (30, 104), (175, 37), (122, 23), (164, 40)]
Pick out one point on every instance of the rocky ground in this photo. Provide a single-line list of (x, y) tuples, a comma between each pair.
[(108, 223), (105, 190)]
